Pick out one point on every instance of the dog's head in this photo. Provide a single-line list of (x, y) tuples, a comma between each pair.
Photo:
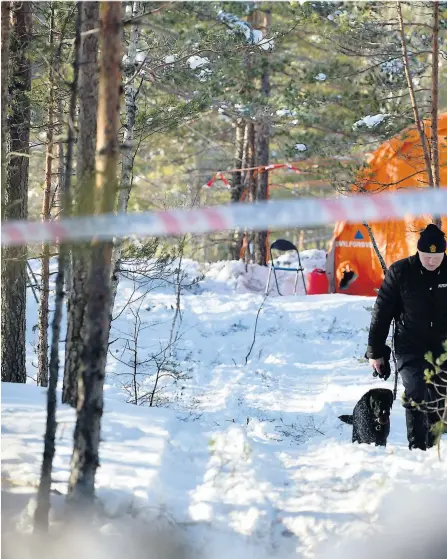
[(381, 404)]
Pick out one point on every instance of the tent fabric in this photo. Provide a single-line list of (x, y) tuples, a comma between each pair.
[(352, 265)]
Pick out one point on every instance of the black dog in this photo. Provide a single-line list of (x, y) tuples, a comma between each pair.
[(370, 419)]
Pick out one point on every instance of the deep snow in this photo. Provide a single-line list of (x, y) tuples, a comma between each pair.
[(248, 455)]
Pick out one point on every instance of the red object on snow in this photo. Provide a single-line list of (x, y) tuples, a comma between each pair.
[(317, 282)]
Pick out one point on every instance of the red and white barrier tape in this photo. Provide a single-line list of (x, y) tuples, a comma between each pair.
[(261, 168), (217, 176), (276, 214)]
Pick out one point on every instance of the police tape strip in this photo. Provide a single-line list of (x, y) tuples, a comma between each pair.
[(275, 214)]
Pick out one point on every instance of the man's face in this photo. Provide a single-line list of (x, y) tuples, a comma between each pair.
[(431, 261)]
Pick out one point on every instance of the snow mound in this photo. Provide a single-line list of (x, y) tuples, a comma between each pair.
[(234, 277)]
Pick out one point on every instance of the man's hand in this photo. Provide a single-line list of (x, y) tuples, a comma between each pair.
[(377, 364), (381, 368)]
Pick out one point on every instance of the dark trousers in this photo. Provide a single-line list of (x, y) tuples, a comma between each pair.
[(429, 397)]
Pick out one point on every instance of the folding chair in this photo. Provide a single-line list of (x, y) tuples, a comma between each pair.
[(284, 245)]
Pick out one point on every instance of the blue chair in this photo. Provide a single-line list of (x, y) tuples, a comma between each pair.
[(283, 245)]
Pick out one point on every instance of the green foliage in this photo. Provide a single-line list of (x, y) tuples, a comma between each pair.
[(435, 363), (152, 248), (430, 376), (199, 69)]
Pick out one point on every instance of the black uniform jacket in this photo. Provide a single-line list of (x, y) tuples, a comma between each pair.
[(417, 299)]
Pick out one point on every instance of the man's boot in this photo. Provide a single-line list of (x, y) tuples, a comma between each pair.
[(417, 429)]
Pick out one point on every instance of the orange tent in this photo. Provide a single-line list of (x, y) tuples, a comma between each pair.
[(352, 265)]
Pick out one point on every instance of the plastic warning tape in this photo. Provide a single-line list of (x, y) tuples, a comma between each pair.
[(275, 214)]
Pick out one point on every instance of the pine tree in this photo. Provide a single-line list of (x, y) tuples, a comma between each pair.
[(85, 459), (5, 39), (42, 348), (13, 266), (130, 72), (84, 196), (41, 516)]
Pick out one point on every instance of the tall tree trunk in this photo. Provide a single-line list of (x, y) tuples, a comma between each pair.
[(237, 186), (130, 97), (85, 459), (13, 265), (41, 516), (249, 140), (42, 347), (59, 146), (86, 153), (67, 197), (5, 15), (436, 171), (419, 123), (263, 147)]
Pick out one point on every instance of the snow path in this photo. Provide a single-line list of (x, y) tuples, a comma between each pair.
[(253, 452)]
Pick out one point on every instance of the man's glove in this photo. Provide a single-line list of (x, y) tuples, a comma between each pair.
[(381, 366), (384, 371)]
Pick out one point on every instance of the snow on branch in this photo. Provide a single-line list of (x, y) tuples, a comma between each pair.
[(253, 36), (371, 121)]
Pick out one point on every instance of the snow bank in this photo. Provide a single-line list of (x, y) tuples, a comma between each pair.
[(233, 276)]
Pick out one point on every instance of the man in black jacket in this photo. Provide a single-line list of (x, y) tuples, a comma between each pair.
[(414, 293)]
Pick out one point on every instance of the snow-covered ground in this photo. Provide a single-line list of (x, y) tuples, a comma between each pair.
[(243, 455)]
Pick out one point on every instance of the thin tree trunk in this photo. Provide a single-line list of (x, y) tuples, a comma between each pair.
[(178, 293), (59, 153), (375, 247), (244, 194), (251, 183), (236, 178), (434, 106), (42, 346), (419, 123), (374, 243), (41, 515), (251, 162), (263, 149), (301, 240), (86, 152), (13, 265), (236, 183), (5, 15), (136, 331), (130, 97), (85, 459)]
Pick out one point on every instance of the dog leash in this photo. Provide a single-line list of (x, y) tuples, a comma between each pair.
[(396, 372), (384, 269)]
